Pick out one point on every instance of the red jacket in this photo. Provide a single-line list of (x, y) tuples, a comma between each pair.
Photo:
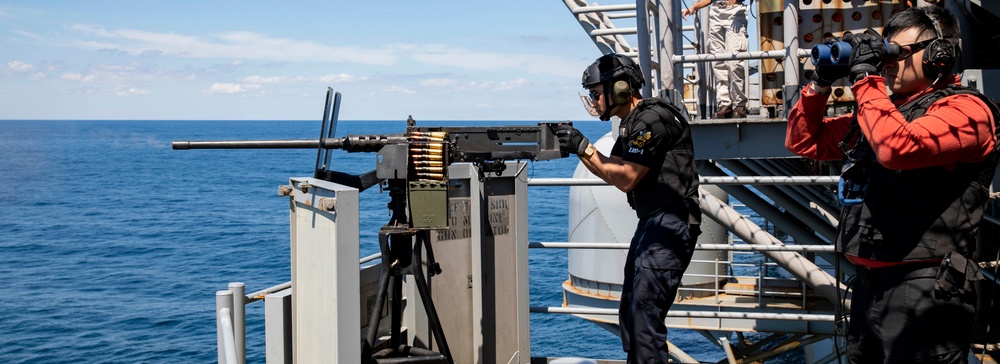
[(955, 129)]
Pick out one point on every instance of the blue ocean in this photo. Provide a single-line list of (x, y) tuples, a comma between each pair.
[(113, 244)]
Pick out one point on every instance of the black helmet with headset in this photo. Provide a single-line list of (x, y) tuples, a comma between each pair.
[(941, 52), (939, 57), (619, 74)]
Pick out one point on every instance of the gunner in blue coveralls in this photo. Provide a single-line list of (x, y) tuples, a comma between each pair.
[(653, 163)]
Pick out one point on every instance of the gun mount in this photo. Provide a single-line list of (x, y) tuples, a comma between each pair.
[(413, 168)]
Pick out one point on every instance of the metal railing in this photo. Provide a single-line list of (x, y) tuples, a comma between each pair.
[(231, 324)]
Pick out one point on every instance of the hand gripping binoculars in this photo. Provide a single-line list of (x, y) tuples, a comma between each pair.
[(839, 53)]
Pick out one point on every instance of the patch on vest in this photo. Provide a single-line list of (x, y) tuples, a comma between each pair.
[(641, 139)]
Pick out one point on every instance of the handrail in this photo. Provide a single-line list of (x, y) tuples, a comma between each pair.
[(748, 247), (224, 327), (693, 314), (370, 258), (228, 338), (259, 295), (705, 180), (601, 8), (708, 57)]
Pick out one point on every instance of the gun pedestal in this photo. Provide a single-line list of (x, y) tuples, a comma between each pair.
[(400, 258), (402, 254)]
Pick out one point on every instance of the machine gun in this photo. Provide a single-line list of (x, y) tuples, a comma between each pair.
[(417, 158), (413, 168)]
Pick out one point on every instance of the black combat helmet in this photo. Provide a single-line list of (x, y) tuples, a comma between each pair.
[(620, 76), (611, 67)]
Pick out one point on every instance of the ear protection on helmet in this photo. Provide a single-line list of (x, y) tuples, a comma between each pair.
[(621, 91), (939, 56)]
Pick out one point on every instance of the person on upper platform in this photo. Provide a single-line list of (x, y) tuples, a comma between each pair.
[(727, 33)]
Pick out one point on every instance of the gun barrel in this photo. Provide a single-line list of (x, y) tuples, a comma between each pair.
[(248, 144), (351, 143)]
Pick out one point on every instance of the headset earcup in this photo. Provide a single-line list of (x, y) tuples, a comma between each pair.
[(621, 92), (939, 57)]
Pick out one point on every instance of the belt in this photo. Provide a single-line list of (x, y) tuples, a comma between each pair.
[(722, 4), (877, 277)]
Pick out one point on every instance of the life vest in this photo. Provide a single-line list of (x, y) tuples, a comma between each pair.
[(918, 214), (675, 181)]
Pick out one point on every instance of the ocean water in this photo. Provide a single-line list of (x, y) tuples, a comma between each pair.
[(112, 245)]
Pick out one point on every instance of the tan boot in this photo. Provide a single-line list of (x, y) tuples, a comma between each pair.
[(725, 112), (740, 112)]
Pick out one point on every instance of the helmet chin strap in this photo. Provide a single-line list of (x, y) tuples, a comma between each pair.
[(608, 105)]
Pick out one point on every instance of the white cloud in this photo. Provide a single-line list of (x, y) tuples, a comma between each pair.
[(78, 77), (438, 82), (132, 92), (342, 78), (480, 85), (443, 55), (262, 79), (26, 34), (37, 77), (398, 90), (511, 85), (246, 45), (227, 45), (20, 67), (232, 88)]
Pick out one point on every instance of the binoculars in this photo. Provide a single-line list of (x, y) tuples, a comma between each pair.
[(839, 53)]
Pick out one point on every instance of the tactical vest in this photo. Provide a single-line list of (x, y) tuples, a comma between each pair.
[(918, 214), (676, 179)]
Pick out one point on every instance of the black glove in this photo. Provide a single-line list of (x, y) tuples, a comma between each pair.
[(571, 140), (827, 74), (868, 54)]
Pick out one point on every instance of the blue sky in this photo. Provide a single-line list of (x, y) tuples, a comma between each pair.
[(435, 60)]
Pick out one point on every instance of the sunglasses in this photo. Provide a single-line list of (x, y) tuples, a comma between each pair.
[(905, 51), (594, 94)]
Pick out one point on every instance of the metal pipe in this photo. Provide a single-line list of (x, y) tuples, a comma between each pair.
[(672, 31), (794, 344), (806, 217), (239, 321), (822, 282), (370, 258), (787, 221), (600, 8), (705, 180), (644, 48), (259, 295), (599, 245), (679, 354), (224, 326), (821, 200), (790, 36), (613, 31), (693, 314), (708, 57), (724, 342)]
